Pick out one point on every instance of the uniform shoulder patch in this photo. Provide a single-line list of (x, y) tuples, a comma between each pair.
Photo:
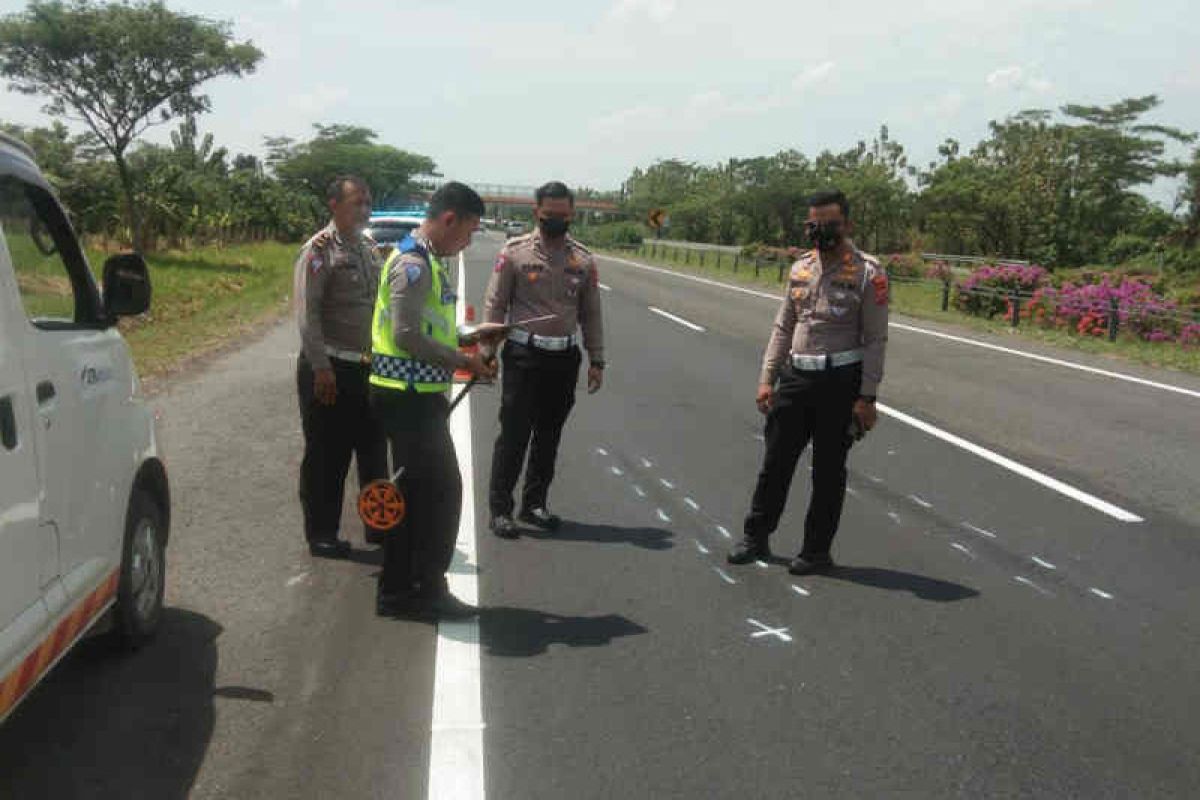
[(579, 246), (501, 262), (412, 272), (315, 262)]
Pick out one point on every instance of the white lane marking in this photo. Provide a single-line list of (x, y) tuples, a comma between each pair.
[(938, 334), (873, 478), (456, 743), (617, 471), (767, 630), (604, 286), (920, 501), (721, 530), (640, 491), (647, 463), (1058, 362), (962, 549), (894, 517), (891, 452), (1041, 562), (663, 516), (760, 437), (724, 575), (601, 451), (677, 320), (800, 590), (703, 550), (1103, 506), (851, 491), (666, 483), (762, 565), (1032, 585), (1100, 593), (980, 531), (692, 504), (294, 580)]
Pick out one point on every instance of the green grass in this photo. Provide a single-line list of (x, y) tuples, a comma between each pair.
[(202, 299), (924, 301)]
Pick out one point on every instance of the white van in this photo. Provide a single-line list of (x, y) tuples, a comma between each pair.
[(84, 505)]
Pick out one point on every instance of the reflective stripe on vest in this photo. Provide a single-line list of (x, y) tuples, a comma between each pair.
[(391, 366)]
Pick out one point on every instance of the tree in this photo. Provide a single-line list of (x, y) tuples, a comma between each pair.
[(119, 69), (347, 149)]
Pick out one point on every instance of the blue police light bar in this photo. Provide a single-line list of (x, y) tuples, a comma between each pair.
[(402, 211)]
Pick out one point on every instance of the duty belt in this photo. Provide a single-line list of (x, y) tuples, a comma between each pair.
[(813, 363), (353, 356), (556, 343)]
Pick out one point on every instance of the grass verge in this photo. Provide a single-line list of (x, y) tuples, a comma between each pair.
[(203, 299)]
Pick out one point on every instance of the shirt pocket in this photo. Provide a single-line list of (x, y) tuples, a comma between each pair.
[(801, 295)]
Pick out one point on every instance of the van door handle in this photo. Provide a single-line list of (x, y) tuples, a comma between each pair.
[(45, 392), (8, 424)]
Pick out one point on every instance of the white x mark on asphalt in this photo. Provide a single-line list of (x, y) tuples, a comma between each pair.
[(767, 630)]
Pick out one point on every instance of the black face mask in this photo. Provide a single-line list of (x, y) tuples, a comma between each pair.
[(554, 227), (824, 236)]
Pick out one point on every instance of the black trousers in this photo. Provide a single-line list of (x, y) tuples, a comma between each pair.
[(417, 554), (332, 434), (816, 407), (537, 394)]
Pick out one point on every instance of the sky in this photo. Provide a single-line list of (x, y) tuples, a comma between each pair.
[(524, 91)]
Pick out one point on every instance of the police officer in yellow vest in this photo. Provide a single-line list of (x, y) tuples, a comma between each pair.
[(413, 356)]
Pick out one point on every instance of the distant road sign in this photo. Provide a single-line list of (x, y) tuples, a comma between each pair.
[(657, 217)]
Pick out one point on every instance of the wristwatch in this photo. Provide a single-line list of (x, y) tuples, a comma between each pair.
[(598, 364)]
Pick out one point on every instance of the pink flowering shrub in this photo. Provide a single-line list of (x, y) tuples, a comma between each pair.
[(984, 293)]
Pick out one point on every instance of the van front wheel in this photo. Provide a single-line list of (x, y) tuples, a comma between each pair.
[(143, 573)]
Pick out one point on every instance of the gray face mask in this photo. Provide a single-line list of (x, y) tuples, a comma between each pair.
[(554, 227)]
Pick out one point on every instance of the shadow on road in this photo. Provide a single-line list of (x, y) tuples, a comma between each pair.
[(523, 632), (920, 586), (647, 538), (112, 725)]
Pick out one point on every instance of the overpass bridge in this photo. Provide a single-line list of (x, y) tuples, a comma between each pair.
[(497, 196)]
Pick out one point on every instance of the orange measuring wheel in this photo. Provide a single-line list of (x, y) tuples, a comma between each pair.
[(381, 506)]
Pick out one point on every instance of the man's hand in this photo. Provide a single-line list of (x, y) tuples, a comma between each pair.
[(484, 369), (325, 386), (864, 411), (322, 239), (765, 397), (595, 379)]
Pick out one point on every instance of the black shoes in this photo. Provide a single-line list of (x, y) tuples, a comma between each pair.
[(441, 606), (504, 527), (807, 565), (329, 548), (539, 517), (751, 549)]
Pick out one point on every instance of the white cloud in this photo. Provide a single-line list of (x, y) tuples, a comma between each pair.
[(657, 10), (812, 75), (1018, 79)]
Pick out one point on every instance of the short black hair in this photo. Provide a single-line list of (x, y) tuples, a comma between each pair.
[(554, 190), (830, 197), (336, 189), (457, 197)]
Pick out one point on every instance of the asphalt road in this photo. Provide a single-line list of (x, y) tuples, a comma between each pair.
[(985, 635)]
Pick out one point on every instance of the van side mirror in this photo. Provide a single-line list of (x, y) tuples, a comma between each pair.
[(126, 285)]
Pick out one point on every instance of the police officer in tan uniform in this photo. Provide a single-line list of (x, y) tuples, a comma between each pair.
[(335, 279), (542, 273), (819, 378)]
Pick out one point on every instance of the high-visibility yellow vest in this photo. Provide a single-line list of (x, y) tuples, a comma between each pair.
[(391, 366)]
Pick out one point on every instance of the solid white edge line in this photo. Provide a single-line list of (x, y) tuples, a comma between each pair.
[(1103, 506), (675, 319), (456, 741), (947, 336), (1058, 362)]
